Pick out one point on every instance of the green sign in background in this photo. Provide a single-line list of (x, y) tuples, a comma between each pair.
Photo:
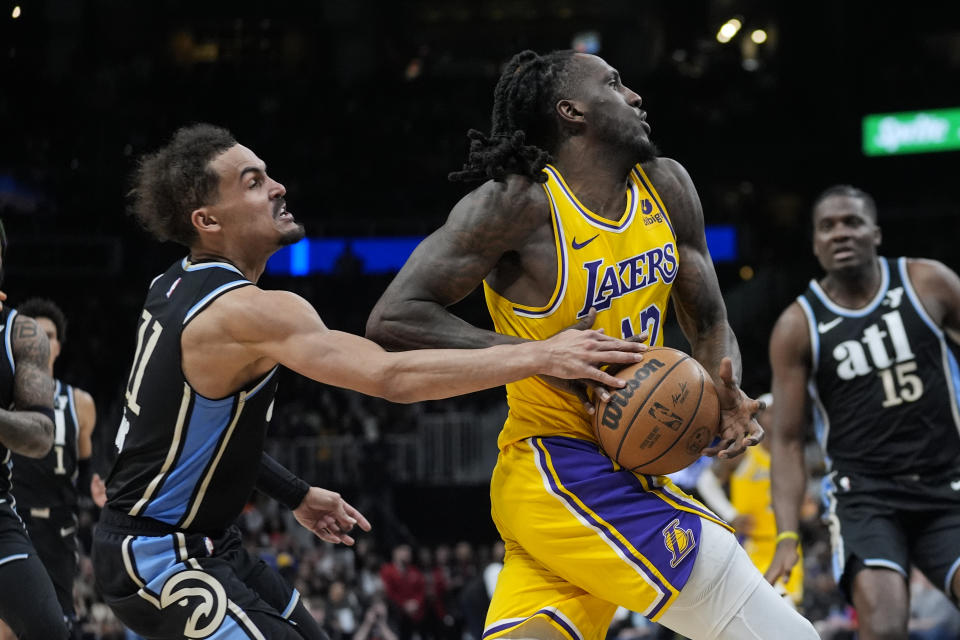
[(911, 132)]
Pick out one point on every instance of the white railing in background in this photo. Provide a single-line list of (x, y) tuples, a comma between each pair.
[(456, 448)]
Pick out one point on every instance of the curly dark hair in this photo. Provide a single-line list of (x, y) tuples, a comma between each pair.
[(524, 127), (176, 179), (848, 191), (46, 308)]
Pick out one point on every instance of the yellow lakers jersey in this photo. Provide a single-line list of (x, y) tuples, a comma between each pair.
[(750, 492), (623, 268)]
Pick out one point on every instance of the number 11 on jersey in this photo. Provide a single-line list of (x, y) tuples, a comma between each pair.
[(141, 357)]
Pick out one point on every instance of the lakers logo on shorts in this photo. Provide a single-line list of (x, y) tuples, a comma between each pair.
[(679, 542), (208, 612)]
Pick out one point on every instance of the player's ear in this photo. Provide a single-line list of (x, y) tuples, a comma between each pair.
[(877, 235), (570, 112), (204, 220)]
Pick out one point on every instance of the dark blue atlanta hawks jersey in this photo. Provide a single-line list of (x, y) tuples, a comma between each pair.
[(185, 459), (884, 382)]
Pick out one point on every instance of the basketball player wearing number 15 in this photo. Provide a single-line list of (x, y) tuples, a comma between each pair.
[(875, 342), (576, 213)]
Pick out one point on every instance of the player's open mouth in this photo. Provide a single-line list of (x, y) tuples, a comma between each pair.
[(841, 254), (283, 214)]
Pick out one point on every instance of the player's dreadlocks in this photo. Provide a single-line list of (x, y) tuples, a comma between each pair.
[(523, 112)]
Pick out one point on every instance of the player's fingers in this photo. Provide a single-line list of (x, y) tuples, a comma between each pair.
[(640, 337), (582, 393), (735, 449), (357, 516), (604, 378), (586, 321), (608, 343), (715, 449), (756, 434), (326, 535)]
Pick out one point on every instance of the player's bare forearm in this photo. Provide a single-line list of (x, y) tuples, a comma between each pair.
[(788, 479), (28, 433), (25, 430), (703, 316)]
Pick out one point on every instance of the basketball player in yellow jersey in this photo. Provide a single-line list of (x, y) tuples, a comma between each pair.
[(750, 506), (578, 217)]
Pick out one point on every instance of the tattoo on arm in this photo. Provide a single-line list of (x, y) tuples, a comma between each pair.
[(449, 264), (32, 386), (21, 430)]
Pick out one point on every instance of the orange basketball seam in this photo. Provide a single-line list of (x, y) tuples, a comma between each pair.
[(690, 422), (644, 403)]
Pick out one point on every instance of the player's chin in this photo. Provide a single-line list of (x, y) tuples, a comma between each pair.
[(291, 233)]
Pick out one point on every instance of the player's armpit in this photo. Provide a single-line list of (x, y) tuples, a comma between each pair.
[(453, 261)]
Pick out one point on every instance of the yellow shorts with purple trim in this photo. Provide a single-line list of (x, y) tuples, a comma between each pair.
[(583, 536)]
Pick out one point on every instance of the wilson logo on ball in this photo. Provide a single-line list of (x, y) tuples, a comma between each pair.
[(621, 398)]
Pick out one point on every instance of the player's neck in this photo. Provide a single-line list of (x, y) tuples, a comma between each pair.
[(853, 288), (597, 177), (251, 268)]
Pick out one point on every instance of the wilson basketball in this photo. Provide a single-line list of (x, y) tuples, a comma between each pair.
[(666, 414)]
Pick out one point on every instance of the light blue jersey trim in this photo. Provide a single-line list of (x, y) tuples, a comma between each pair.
[(949, 579), (188, 266), (210, 296), (16, 556), (263, 383), (885, 564), (294, 599), (814, 334), (863, 311), (6, 340)]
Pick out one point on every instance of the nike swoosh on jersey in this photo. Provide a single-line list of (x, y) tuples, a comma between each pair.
[(66, 531), (581, 245), (823, 327)]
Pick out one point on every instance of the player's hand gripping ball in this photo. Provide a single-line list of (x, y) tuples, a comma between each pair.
[(668, 412)]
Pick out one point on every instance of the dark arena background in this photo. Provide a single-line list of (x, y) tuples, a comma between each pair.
[(361, 108)]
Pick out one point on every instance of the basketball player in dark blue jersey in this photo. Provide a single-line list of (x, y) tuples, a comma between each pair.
[(167, 557), (871, 351), (46, 488), (28, 601)]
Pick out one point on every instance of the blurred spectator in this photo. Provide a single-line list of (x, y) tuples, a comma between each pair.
[(374, 625), (343, 611), (406, 591)]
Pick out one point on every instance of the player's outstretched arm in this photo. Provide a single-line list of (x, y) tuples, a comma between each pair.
[(492, 220), (790, 361), (28, 429), (282, 327), (701, 311)]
